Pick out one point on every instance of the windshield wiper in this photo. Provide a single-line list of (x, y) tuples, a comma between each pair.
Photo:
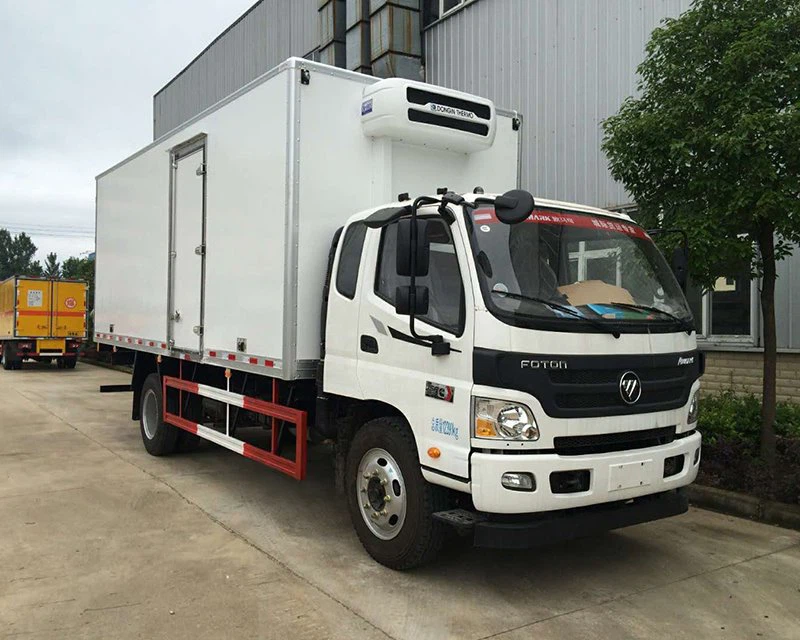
[(560, 307), (682, 322)]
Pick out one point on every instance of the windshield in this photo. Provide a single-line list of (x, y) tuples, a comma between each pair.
[(560, 269)]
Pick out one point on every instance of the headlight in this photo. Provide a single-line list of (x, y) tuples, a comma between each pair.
[(503, 420), (694, 408)]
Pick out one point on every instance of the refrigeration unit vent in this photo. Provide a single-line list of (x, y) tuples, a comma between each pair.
[(422, 114)]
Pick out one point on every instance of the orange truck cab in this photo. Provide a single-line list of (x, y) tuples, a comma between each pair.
[(41, 319)]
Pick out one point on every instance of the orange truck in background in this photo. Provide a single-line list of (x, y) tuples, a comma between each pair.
[(41, 319)]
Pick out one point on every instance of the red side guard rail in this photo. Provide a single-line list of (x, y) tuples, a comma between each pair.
[(295, 468)]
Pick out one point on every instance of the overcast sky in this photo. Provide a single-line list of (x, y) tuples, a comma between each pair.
[(77, 79)]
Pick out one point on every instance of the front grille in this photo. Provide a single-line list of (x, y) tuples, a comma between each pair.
[(605, 376), (609, 442), (578, 400), (588, 386), (591, 390)]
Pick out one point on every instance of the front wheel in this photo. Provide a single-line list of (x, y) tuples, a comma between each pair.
[(390, 503)]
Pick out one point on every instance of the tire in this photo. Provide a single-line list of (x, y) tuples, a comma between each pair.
[(159, 439), (8, 363), (69, 363), (384, 449), (60, 363)]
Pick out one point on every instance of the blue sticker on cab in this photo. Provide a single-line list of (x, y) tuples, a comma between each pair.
[(366, 107)]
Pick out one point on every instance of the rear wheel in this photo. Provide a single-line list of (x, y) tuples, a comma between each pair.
[(69, 363), (11, 361), (159, 438), (8, 363), (391, 505)]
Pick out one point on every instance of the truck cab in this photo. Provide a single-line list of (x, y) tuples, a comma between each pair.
[(548, 375)]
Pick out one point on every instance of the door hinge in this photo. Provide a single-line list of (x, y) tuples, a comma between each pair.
[(200, 250), (201, 170), (305, 76), (198, 329)]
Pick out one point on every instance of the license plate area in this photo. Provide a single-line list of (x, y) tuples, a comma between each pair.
[(629, 475), (51, 345)]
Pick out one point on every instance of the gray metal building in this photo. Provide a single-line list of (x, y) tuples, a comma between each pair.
[(564, 64)]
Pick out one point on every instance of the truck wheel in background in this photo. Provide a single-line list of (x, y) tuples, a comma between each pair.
[(159, 438), (390, 503), (8, 363), (69, 363), (11, 362)]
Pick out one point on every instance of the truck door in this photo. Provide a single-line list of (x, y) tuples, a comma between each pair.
[(187, 246), (69, 309), (433, 392)]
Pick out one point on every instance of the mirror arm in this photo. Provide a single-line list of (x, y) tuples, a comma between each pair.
[(682, 232), (437, 339)]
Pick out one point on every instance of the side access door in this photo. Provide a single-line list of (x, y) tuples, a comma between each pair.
[(69, 309), (432, 391), (187, 245)]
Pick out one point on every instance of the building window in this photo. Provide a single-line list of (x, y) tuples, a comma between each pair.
[(728, 313), (730, 307), (435, 9), (446, 6)]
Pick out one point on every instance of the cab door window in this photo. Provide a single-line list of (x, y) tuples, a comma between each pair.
[(445, 287)]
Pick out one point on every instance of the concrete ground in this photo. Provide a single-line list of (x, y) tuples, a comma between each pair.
[(100, 540)]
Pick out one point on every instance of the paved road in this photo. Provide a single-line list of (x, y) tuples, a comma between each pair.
[(100, 540)]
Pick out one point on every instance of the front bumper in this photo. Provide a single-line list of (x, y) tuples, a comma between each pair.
[(548, 528), (613, 477)]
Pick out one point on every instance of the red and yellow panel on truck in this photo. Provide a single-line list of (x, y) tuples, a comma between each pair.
[(41, 308), (69, 309)]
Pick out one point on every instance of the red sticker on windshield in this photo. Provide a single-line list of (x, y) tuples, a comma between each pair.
[(581, 221)]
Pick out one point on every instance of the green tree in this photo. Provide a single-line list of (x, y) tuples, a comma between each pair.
[(16, 255), (52, 268), (712, 145)]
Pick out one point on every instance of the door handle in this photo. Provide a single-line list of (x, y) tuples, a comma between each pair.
[(369, 344)]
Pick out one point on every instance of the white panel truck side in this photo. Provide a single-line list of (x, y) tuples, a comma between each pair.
[(328, 256)]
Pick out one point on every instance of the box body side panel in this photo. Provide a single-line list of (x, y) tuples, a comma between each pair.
[(245, 211), (8, 297), (132, 246), (340, 172), (33, 308), (245, 222)]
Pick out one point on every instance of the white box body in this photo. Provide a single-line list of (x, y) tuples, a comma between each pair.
[(283, 164)]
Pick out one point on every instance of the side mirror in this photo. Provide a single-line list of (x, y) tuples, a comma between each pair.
[(405, 302), (423, 248), (680, 266), (513, 206)]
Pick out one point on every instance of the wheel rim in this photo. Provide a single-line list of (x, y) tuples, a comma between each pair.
[(381, 493), (150, 414)]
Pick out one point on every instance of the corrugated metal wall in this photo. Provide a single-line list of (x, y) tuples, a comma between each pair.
[(565, 65), (787, 302), (267, 34)]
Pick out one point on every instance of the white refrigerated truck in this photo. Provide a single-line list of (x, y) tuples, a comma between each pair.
[(319, 256)]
